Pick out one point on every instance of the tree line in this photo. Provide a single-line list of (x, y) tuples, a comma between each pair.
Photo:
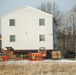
[(66, 25)]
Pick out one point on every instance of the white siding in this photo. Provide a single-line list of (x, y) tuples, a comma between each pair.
[(27, 29)]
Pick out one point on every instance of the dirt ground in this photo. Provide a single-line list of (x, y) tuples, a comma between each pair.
[(38, 68)]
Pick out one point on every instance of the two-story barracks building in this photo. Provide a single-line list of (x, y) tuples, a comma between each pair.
[(28, 29)]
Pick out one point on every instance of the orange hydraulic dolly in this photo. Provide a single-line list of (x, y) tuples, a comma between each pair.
[(36, 56)]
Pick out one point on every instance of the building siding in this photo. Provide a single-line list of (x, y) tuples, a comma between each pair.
[(27, 29)]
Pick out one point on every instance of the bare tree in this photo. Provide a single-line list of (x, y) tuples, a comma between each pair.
[(42, 7), (69, 27), (66, 25), (51, 8)]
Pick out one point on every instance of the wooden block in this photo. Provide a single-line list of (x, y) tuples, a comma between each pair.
[(59, 54), (18, 58), (1, 59), (54, 55), (12, 57)]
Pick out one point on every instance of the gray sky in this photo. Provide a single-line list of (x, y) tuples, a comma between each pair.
[(9, 5)]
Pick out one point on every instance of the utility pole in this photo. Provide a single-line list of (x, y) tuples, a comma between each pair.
[(72, 31), (72, 34)]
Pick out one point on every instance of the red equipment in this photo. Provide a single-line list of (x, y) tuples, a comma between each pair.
[(5, 58), (36, 56)]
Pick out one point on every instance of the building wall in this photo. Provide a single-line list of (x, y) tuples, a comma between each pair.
[(27, 29), (54, 35)]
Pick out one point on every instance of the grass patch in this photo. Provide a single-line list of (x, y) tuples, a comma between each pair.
[(40, 68)]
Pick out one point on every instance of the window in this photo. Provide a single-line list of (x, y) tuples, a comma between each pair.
[(12, 38), (41, 22), (12, 22), (41, 37)]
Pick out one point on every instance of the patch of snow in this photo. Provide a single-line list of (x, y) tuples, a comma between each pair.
[(27, 61), (66, 60), (62, 60)]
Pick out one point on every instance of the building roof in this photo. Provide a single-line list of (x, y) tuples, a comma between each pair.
[(23, 8)]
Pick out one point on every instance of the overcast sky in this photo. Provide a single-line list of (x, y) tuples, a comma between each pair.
[(9, 5)]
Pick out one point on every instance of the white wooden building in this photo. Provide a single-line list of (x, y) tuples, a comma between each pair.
[(28, 28)]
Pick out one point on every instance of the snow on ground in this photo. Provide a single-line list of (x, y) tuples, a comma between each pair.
[(62, 60), (27, 61)]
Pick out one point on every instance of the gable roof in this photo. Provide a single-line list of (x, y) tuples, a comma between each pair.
[(23, 8)]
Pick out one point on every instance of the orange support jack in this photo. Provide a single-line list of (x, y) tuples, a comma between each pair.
[(36, 56)]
